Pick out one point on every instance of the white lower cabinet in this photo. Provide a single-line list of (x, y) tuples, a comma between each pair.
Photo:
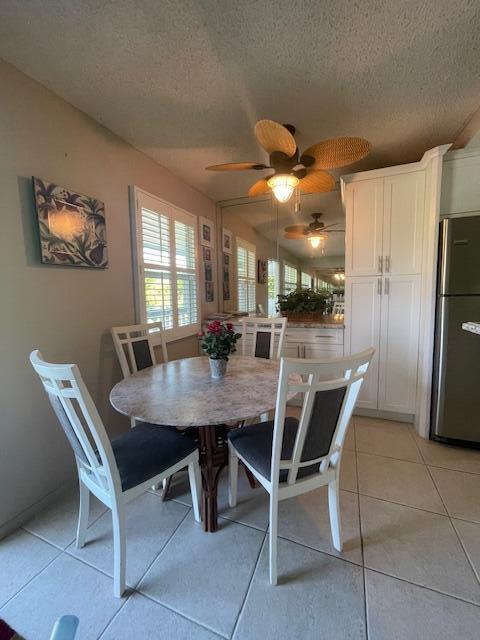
[(362, 330), (400, 325), (384, 312)]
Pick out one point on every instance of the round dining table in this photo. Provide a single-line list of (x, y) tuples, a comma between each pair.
[(183, 394)]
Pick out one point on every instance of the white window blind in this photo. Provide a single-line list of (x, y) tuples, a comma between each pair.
[(246, 275), (167, 283), (273, 286), (290, 278), (305, 280)]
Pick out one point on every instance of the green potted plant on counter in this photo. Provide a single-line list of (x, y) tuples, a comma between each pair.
[(304, 304), (219, 341)]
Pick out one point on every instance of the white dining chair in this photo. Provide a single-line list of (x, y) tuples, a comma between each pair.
[(135, 346), (289, 457), (268, 335), (115, 471)]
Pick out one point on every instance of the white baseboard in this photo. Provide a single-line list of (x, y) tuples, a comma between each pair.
[(385, 415)]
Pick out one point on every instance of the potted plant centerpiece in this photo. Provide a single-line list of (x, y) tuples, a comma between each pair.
[(219, 342), (304, 304)]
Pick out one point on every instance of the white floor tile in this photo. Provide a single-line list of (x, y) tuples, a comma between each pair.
[(398, 481), (460, 492), (305, 519), (22, 556), (398, 610), (65, 586), (205, 576), (142, 618), (469, 533), (149, 524), (418, 546), (58, 522), (385, 438), (348, 471), (448, 457), (317, 596)]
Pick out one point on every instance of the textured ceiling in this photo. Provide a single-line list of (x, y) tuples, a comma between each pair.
[(185, 80)]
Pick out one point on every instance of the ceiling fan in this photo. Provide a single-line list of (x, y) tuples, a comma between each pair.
[(313, 232), (291, 170)]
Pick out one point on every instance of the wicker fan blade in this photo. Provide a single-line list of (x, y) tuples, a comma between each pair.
[(273, 136), (336, 152), (258, 188), (295, 228), (236, 166), (317, 182), (294, 236)]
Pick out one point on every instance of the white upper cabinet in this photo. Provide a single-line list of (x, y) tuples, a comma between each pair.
[(364, 227), (404, 206), (400, 322)]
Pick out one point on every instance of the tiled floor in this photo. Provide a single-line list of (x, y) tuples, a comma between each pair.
[(410, 566)]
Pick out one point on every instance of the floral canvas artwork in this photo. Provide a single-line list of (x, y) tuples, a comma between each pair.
[(71, 225)]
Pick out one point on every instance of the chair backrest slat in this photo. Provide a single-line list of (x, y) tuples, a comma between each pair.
[(268, 336), (135, 346), (80, 421), (330, 389)]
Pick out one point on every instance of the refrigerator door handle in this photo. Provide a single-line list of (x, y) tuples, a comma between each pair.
[(379, 286), (445, 256), (439, 363), (380, 264), (387, 286), (387, 264)]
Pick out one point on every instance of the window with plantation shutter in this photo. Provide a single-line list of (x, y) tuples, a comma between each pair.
[(246, 275), (305, 280), (167, 275), (290, 278)]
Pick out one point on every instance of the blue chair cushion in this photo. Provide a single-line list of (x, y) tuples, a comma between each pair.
[(147, 450), (254, 443)]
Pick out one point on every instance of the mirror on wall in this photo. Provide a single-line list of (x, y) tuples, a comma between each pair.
[(264, 250)]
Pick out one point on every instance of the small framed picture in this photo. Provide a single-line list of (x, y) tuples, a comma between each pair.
[(262, 271), (207, 254), (207, 232), (227, 241), (226, 291), (209, 295), (208, 272)]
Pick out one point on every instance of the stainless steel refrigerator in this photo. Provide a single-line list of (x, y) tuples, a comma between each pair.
[(456, 379)]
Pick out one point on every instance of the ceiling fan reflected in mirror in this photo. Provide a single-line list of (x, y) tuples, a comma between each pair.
[(292, 170), (314, 233)]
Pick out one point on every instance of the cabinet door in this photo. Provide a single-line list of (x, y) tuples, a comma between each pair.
[(364, 227), (404, 213), (362, 330), (292, 350), (322, 352), (399, 343)]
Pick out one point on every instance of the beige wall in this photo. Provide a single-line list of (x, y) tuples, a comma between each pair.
[(65, 312)]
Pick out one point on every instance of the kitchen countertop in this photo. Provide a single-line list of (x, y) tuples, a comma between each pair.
[(328, 322), (473, 327)]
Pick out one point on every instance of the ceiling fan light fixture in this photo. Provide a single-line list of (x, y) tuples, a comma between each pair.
[(283, 186), (315, 241)]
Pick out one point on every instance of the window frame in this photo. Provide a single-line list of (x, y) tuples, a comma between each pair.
[(305, 286), (249, 247), (276, 264), (141, 199), (292, 266)]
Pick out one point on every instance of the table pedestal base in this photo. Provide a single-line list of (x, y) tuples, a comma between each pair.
[(213, 458)]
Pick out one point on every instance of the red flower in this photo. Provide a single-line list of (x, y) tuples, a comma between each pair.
[(200, 334), (215, 327), (229, 326)]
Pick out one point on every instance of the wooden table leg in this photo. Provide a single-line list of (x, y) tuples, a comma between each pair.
[(213, 458)]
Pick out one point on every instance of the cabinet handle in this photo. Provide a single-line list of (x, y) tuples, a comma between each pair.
[(387, 286), (298, 350), (304, 351), (380, 264), (331, 337), (387, 264), (379, 286)]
